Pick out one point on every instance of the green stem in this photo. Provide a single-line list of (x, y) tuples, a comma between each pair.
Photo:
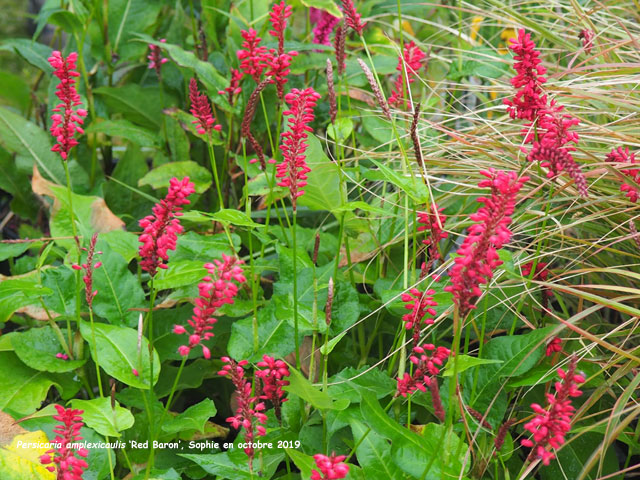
[(95, 351), (214, 169), (175, 384), (295, 287)]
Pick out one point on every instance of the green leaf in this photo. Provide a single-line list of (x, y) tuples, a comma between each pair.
[(117, 353), (12, 250), (179, 274), (139, 104), (466, 362), (22, 389), (33, 52), (326, 5), (323, 190), (300, 386), (25, 138), (480, 62), (37, 348), (341, 130), (235, 217), (374, 453), (204, 248), (193, 418), (159, 177), (353, 384), (126, 19), (99, 415), (411, 186), (331, 344), (223, 466), (123, 243), (127, 130), (16, 293), (118, 289), (62, 282)]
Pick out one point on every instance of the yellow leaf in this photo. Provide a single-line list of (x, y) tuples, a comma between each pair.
[(21, 459)]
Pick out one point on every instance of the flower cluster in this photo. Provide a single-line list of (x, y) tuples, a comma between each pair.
[(331, 468), (155, 58), (234, 89), (70, 466), (249, 414), (293, 169), (553, 126), (252, 55), (422, 312), (433, 223), (215, 290), (201, 109), (426, 364), (338, 45), (66, 121), (477, 258), (162, 228), (586, 36), (622, 155), (89, 267), (551, 424), (412, 60), (278, 61), (555, 345), (529, 97), (324, 25), (352, 18), (273, 376)]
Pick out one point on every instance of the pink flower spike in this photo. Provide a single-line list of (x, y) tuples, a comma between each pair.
[(252, 56), (412, 60), (293, 169), (215, 290), (421, 305), (161, 229), (620, 155), (427, 366), (156, 60), (477, 258), (65, 458), (433, 223), (352, 17), (65, 122), (88, 267), (233, 90), (330, 467), (272, 374), (201, 109), (550, 425), (555, 345), (325, 23), (278, 18), (249, 413)]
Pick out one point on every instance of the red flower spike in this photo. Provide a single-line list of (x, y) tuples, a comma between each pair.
[(330, 467), (234, 88), (249, 413), (88, 268), (66, 459), (427, 365), (421, 305), (411, 59), (156, 60), (551, 424), (621, 155), (338, 46), (587, 40), (201, 109), (555, 345), (252, 56), (278, 18), (65, 121), (477, 258), (162, 228), (215, 290), (273, 374), (278, 69), (293, 169), (529, 97), (325, 23), (351, 17), (433, 223)]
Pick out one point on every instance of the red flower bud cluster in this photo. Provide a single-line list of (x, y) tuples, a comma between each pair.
[(620, 155), (331, 468), (273, 376), (278, 61), (66, 121), (293, 168), (433, 223), (155, 58), (587, 39), (421, 305), (70, 466), (412, 60), (325, 23), (252, 56), (427, 360), (478, 256), (201, 109), (162, 228), (352, 18), (555, 345), (551, 424), (234, 88), (249, 414), (88, 268), (215, 290)]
